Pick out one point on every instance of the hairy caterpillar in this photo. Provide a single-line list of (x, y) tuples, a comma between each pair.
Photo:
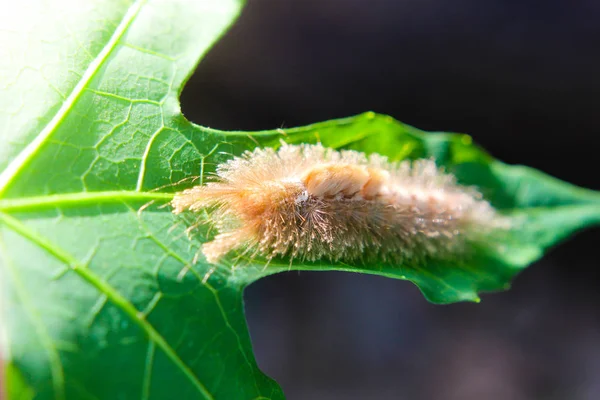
[(311, 203)]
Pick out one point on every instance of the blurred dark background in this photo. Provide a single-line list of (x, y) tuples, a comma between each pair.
[(520, 76)]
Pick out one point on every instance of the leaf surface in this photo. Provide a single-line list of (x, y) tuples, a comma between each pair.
[(101, 297)]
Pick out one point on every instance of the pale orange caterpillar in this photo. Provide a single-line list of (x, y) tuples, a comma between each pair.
[(312, 203)]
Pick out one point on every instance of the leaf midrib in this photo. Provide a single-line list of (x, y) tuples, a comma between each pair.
[(21, 160), (35, 203)]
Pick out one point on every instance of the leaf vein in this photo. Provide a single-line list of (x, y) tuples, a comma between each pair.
[(142, 173), (79, 199), (147, 380)]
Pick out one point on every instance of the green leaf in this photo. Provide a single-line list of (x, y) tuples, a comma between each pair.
[(546, 209), (100, 302), (101, 297)]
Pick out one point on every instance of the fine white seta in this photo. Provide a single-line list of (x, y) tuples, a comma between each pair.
[(313, 203)]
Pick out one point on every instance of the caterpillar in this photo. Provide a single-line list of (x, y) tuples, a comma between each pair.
[(314, 203)]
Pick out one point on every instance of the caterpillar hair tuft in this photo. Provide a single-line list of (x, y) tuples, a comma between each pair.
[(311, 203)]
